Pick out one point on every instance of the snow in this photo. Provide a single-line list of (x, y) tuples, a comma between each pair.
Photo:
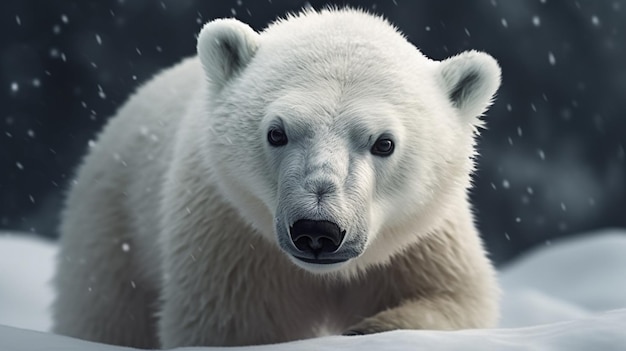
[(551, 58), (27, 265), (568, 295), (536, 21)]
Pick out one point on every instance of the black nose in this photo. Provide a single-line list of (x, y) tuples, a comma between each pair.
[(316, 237)]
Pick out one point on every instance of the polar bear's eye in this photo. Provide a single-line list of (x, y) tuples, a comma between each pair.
[(383, 147), (276, 136)]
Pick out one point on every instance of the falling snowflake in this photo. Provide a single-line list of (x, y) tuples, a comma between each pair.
[(541, 154), (551, 58), (536, 21), (101, 93)]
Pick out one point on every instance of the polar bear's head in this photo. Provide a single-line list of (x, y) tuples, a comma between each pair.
[(335, 137)]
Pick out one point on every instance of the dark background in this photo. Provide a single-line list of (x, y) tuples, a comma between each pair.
[(552, 162)]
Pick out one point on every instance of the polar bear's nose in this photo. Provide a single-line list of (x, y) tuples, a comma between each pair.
[(316, 237)]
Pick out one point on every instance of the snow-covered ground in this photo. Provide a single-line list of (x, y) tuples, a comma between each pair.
[(569, 295)]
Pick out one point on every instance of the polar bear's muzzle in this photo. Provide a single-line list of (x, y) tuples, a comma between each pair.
[(316, 241)]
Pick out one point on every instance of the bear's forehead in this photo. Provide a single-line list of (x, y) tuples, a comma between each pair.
[(297, 105), (341, 83), (350, 67), (346, 62)]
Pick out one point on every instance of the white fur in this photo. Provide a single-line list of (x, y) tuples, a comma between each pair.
[(474, 94), (176, 232), (224, 47)]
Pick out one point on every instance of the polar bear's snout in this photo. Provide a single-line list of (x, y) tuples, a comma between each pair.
[(313, 238)]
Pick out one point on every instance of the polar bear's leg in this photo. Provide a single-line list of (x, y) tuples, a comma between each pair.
[(99, 295), (199, 305), (449, 285)]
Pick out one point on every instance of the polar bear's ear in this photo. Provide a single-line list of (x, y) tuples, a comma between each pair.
[(470, 79), (225, 47)]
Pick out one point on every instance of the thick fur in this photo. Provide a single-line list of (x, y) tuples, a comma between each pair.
[(176, 229)]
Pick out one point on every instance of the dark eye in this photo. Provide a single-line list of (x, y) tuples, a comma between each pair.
[(383, 147), (276, 136)]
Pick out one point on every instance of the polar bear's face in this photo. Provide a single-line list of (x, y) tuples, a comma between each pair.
[(335, 137), (335, 158)]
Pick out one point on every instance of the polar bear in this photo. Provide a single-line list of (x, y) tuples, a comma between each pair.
[(310, 179)]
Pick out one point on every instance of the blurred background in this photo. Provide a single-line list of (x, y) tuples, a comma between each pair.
[(553, 157)]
